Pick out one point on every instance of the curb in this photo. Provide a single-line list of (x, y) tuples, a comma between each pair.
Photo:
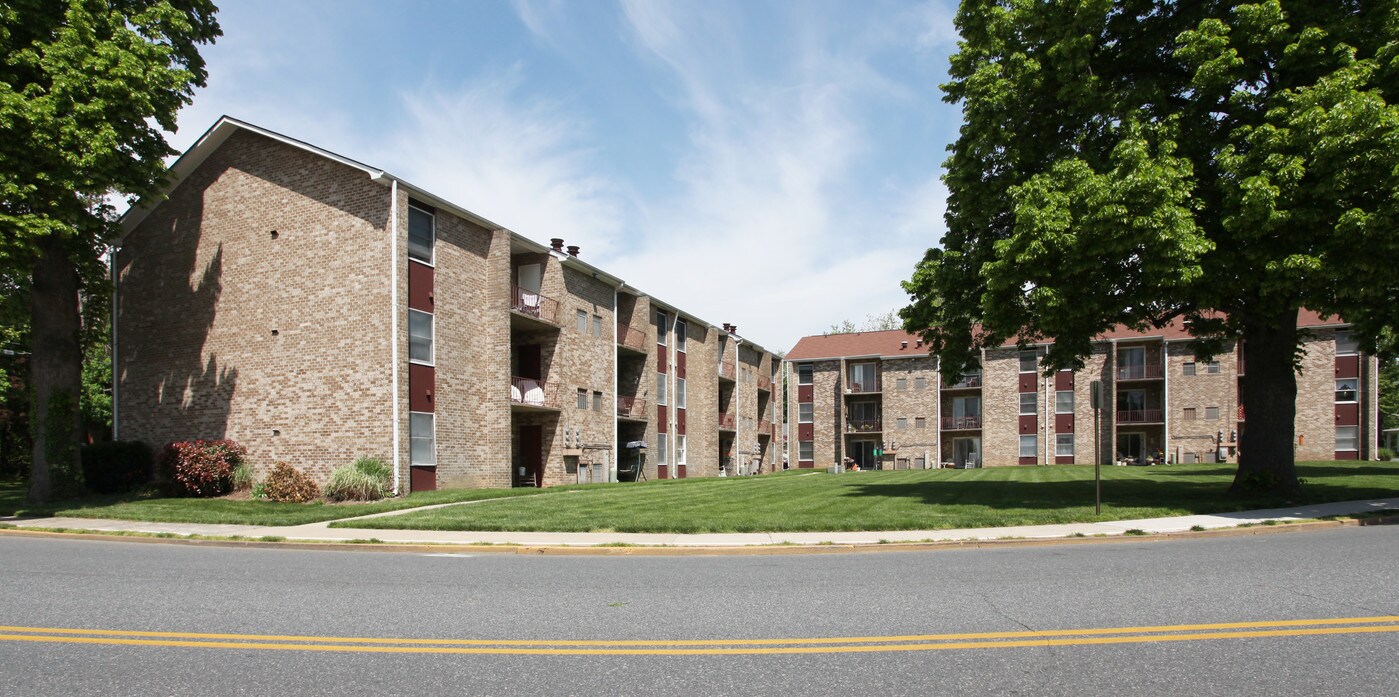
[(750, 550)]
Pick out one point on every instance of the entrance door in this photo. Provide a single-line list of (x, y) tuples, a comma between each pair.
[(966, 452), (1131, 447), (862, 452), (531, 456)]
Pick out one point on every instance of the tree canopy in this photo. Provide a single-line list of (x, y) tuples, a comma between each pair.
[(1124, 163)]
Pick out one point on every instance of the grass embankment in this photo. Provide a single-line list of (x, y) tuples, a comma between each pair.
[(229, 511), (908, 500)]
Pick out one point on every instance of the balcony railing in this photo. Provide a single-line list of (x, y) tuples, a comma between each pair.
[(973, 380), (1140, 416), (865, 387), (726, 421), (765, 383), (631, 337), (959, 423), (1149, 371), (726, 371), (1241, 412), (533, 393), (863, 425), (534, 304), (631, 407)]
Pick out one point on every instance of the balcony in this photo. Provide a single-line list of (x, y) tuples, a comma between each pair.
[(961, 423), (534, 305), (764, 383), (1149, 371), (863, 425), (631, 408), (629, 337), (967, 382), (726, 371), (531, 393), (865, 387), (726, 422), (764, 427), (1141, 416)]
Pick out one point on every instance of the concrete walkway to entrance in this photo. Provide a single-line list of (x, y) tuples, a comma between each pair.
[(322, 532)]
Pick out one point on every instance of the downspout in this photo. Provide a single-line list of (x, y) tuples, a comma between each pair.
[(393, 330), (616, 381), (116, 401), (1049, 410), (1166, 403), (937, 416)]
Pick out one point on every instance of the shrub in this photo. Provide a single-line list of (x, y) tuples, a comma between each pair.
[(201, 467), (242, 477), (116, 467), (366, 479), (260, 491), (286, 483), (1386, 454)]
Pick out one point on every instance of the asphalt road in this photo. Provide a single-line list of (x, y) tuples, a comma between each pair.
[(860, 600)]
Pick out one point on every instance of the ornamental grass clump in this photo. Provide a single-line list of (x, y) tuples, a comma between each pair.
[(366, 479), (286, 483), (201, 467)]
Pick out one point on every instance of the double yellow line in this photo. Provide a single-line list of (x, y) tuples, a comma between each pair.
[(697, 647)]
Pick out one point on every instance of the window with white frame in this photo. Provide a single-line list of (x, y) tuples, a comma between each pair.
[(662, 327), (421, 234), (420, 337), (1347, 389), (1063, 445), (805, 450), (1212, 367), (679, 449), (1029, 446), (680, 334), (1346, 344), (1064, 402), (597, 325), (679, 393), (804, 412), (661, 443), (1029, 361), (1347, 437), (660, 388), (1029, 403), (422, 445), (582, 318), (804, 372)]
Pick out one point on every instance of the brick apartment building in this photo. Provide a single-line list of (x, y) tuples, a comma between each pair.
[(859, 393), (317, 309)]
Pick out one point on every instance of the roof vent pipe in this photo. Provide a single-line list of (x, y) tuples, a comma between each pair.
[(903, 345), (733, 328), (556, 243), (573, 250)]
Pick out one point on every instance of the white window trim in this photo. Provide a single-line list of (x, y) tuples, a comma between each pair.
[(811, 418), (1339, 449), (679, 392), (1058, 437), (680, 328), (810, 443), (432, 338), (679, 449), (408, 225), (662, 389), (433, 416), (1349, 336), (663, 327), (1356, 390), (1034, 410), (1072, 398), (1034, 444), (811, 372), (1021, 358)]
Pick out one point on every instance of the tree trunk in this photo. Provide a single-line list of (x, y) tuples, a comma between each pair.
[(1268, 392), (55, 368)]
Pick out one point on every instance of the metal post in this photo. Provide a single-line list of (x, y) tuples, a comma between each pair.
[(1096, 395)]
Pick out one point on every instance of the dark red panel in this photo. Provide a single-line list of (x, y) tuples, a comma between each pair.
[(1347, 414), (1064, 380), (422, 381), (661, 359), (1029, 423), (1347, 455), (1029, 460), (1347, 366), (806, 393), (1028, 382), (680, 419), (420, 286), (422, 478), (661, 419), (1063, 460), (806, 431), (805, 464), (680, 364), (679, 471), (662, 471), (1063, 423)]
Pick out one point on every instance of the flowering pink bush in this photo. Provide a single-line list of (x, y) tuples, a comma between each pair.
[(201, 467)]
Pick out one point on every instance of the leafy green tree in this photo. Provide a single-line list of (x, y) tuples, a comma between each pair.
[(1128, 162), (86, 88), (1389, 393), (873, 323)]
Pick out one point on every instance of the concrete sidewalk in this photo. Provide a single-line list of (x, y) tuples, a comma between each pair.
[(322, 532)]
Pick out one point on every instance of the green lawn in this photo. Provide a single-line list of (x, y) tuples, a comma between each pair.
[(189, 510), (908, 500)]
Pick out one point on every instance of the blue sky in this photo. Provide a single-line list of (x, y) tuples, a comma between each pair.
[(771, 164)]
